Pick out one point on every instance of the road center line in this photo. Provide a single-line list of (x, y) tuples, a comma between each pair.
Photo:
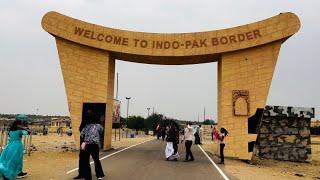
[(113, 154), (214, 164)]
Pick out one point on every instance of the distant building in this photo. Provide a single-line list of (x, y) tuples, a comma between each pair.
[(315, 122), (59, 123)]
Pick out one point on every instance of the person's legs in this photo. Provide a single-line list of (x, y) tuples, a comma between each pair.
[(86, 169), (221, 153), (97, 164), (187, 150), (191, 155), (197, 138), (175, 147), (81, 163)]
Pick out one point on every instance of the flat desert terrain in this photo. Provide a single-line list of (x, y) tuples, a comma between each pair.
[(54, 155)]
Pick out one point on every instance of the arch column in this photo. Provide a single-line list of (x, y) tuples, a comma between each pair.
[(248, 71), (88, 75)]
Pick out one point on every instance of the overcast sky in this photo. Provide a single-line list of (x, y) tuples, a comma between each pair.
[(32, 82)]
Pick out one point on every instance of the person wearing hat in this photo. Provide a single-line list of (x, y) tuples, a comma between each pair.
[(11, 159)]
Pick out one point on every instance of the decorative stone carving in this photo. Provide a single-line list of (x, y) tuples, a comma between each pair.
[(240, 102)]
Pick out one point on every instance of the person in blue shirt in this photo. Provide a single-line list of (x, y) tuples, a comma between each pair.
[(11, 159)]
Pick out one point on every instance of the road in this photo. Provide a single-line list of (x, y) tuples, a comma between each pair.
[(146, 161)]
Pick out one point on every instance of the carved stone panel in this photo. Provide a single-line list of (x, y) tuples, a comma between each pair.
[(240, 102)]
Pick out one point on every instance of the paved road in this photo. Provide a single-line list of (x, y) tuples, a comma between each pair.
[(147, 162)]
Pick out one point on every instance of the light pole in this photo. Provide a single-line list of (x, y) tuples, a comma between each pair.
[(148, 111), (204, 114), (128, 101)]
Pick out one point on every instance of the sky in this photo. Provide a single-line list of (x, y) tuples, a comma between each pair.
[(31, 80)]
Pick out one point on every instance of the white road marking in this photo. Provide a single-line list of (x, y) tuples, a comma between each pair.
[(112, 154), (214, 164)]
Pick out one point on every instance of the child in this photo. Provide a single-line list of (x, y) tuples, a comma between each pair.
[(11, 159)]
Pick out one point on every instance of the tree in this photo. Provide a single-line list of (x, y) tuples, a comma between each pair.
[(136, 122), (209, 122), (152, 121)]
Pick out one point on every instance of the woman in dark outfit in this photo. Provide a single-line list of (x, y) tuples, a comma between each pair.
[(176, 138), (91, 135), (88, 117)]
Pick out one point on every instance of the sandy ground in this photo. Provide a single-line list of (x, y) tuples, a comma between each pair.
[(55, 155), (272, 169)]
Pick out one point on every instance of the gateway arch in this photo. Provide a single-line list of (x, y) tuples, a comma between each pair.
[(246, 57)]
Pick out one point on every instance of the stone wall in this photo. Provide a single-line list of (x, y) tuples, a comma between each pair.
[(284, 133)]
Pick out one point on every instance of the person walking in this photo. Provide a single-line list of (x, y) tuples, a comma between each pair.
[(169, 147), (88, 116), (158, 131), (176, 139), (91, 135), (188, 137), (11, 159), (221, 138), (200, 133), (212, 130), (163, 132), (196, 135)]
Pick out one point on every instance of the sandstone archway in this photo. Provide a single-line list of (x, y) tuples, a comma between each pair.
[(246, 57)]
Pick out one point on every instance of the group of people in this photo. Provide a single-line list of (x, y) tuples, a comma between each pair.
[(190, 134), (91, 132)]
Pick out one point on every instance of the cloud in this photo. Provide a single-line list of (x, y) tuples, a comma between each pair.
[(31, 77)]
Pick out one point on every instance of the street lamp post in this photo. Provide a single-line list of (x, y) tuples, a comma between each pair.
[(128, 101), (148, 111)]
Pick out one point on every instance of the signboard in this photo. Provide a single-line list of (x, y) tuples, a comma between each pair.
[(116, 111)]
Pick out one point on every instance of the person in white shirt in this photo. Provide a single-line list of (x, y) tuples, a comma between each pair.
[(188, 137)]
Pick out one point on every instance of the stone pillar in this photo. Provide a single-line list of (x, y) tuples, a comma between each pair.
[(88, 77), (244, 79)]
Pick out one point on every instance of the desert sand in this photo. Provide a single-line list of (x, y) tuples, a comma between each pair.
[(55, 155), (271, 169)]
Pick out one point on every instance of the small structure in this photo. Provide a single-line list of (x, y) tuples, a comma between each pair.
[(59, 124), (315, 122), (284, 133)]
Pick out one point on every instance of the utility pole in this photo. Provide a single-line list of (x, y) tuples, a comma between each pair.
[(204, 114), (152, 110), (148, 111), (117, 94), (128, 101), (198, 116), (117, 98)]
